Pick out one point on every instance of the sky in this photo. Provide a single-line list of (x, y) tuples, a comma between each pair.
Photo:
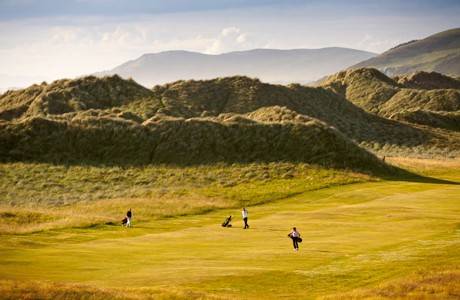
[(50, 39)]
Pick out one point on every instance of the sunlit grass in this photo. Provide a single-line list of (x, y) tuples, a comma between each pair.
[(371, 239), (43, 196), (443, 283)]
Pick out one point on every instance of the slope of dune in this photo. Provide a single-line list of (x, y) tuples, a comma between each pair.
[(422, 98), (428, 81), (186, 122)]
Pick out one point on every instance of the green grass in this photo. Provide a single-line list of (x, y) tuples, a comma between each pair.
[(359, 239), (44, 196)]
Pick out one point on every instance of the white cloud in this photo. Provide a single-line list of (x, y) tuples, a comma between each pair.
[(69, 46), (57, 51), (374, 44), (231, 39)]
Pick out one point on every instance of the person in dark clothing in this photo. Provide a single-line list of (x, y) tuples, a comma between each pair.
[(244, 213), (227, 222), (295, 236), (129, 216)]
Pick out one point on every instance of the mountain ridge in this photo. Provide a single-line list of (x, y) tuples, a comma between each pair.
[(270, 65), (439, 52)]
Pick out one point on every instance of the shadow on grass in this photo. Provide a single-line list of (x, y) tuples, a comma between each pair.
[(405, 175)]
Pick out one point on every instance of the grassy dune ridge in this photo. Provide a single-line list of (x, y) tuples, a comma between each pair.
[(422, 98), (178, 141), (111, 120)]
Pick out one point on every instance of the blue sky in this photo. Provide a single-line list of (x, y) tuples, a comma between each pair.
[(13, 9), (32, 8), (49, 39)]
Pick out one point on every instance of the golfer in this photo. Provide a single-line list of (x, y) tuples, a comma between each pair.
[(295, 236), (244, 212), (129, 215)]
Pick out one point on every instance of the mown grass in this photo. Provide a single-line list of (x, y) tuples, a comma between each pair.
[(360, 240), (44, 196)]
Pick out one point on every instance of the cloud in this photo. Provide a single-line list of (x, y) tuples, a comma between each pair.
[(69, 38), (231, 39), (374, 44), (69, 50)]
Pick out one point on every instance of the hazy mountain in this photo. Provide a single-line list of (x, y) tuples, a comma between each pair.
[(270, 65), (439, 52)]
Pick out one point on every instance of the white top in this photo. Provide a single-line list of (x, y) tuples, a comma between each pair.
[(244, 213), (295, 234)]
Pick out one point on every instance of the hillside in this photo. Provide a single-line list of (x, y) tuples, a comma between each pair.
[(229, 138), (270, 65), (427, 81), (243, 95), (433, 100), (233, 119), (63, 96), (441, 119), (423, 98), (367, 88), (439, 52)]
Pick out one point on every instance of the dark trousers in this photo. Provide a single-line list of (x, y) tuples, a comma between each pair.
[(245, 223), (295, 242)]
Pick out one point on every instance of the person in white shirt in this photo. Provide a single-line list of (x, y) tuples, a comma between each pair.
[(295, 236), (244, 212), (129, 216)]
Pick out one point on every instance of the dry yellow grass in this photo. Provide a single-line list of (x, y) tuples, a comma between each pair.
[(427, 166), (45, 290), (38, 197), (106, 211), (438, 284)]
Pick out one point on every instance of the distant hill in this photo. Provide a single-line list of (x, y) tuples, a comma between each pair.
[(270, 65), (424, 98), (439, 53)]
